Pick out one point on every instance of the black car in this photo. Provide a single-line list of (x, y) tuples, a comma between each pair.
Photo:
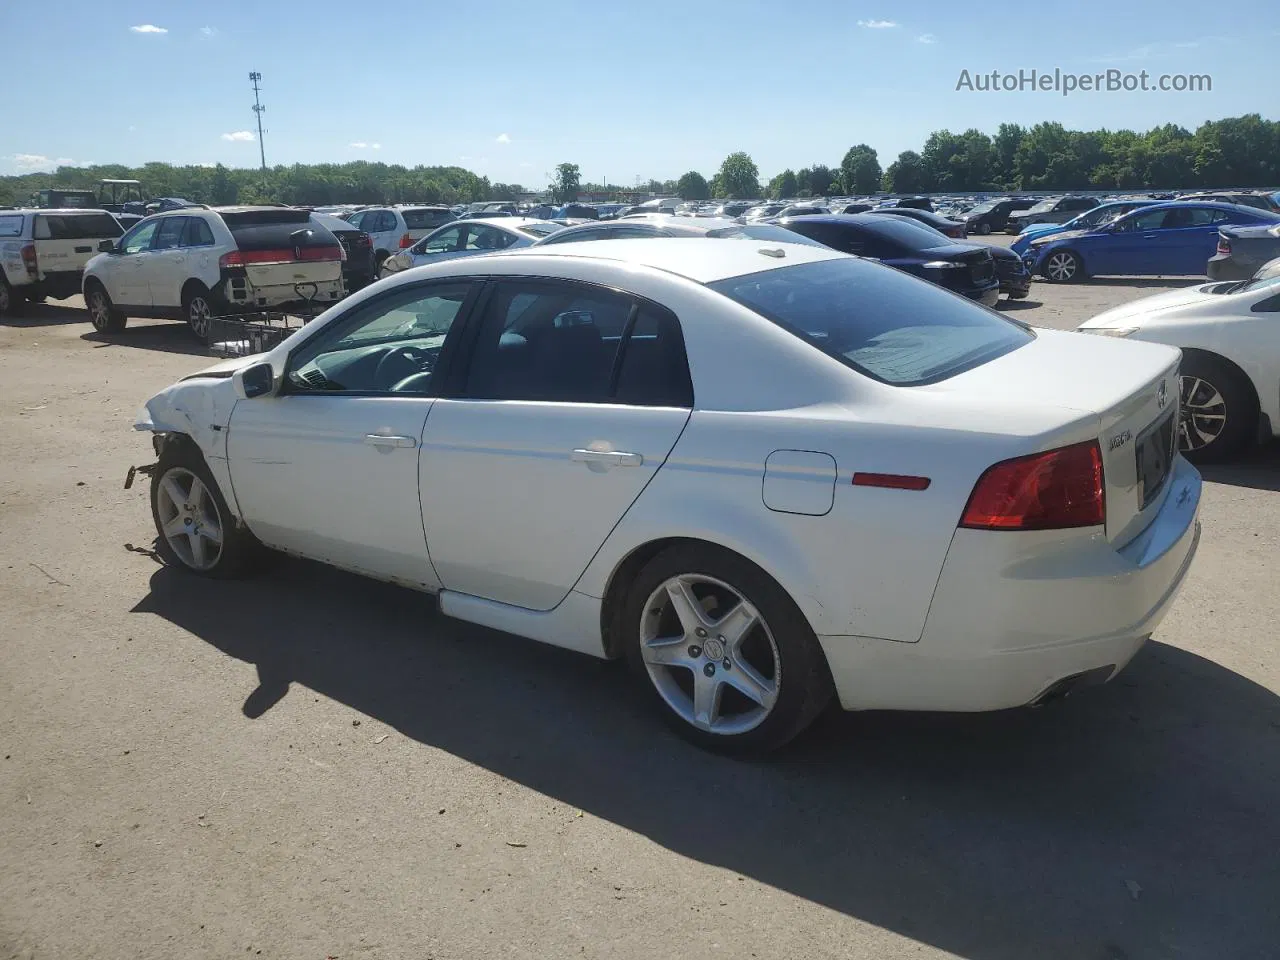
[(636, 228), (1242, 250), (359, 269), (855, 208), (964, 268), (994, 214), (915, 203), (955, 229)]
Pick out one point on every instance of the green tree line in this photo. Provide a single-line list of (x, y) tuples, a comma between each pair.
[(1233, 152)]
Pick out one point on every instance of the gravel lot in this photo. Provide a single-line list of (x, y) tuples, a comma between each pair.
[(309, 765)]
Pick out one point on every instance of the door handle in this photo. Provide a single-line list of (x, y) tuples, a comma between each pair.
[(612, 458), (387, 440), (1150, 236)]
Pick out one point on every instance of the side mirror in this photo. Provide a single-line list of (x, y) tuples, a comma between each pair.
[(258, 380), (106, 246)]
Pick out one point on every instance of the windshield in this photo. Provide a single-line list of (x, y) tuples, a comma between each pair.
[(986, 207), (1044, 206), (877, 320)]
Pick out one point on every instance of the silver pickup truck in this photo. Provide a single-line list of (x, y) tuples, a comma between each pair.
[(43, 253)]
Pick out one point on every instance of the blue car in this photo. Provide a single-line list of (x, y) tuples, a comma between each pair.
[(1102, 213), (1163, 239)]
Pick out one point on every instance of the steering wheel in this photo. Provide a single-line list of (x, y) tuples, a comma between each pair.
[(402, 362)]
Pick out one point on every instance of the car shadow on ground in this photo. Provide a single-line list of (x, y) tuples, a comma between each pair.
[(1138, 820), (1260, 469), (1143, 282), (165, 337), (1016, 305), (46, 315)]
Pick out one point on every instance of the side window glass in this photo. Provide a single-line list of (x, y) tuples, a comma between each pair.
[(389, 345), (547, 341), (485, 238), (197, 233), (654, 371), (139, 238), (355, 220), (169, 236), (386, 221), (446, 241)]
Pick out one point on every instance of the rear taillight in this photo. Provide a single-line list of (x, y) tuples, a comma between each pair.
[(1045, 491), (29, 259), (1224, 246), (406, 241), (245, 258), (364, 240), (956, 233)]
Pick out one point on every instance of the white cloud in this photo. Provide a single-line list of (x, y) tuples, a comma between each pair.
[(464, 158), (927, 38), (148, 28), (358, 144), (502, 138), (208, 31), (206, 164), (240, 136), (877, 24), (132, 127), (375, 146), (30, 162)]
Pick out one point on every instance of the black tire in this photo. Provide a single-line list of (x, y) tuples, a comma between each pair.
[(800, 697), (102, 313), (239, 551), (197, 310), (1063, 266), (11, 302), (1210, 388), (984, 229)]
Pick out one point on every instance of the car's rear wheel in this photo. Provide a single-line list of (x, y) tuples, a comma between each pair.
[(1063, 266), (197, 310), (102, 314), (984, 228), (728, 656), (10, 302), (197, 532), (1218, 414)]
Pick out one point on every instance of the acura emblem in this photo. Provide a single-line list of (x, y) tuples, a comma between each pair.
[(1162, 395)]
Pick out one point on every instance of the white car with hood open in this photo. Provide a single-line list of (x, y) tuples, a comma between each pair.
[(764, 474)]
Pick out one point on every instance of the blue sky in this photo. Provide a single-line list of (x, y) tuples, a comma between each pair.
[(510, 88)]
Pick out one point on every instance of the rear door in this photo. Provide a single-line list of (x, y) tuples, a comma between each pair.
[(569, 401), (65, 242)]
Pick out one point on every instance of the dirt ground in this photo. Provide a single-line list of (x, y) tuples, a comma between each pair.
[(308, 765)]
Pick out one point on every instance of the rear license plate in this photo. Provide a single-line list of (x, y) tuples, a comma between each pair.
[(1155, 453)]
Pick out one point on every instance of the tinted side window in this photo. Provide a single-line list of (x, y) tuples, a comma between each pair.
[(170, 233), (11, 226), (76, 226), (139, 238), (549, 341), (197, 233), (654, 371)]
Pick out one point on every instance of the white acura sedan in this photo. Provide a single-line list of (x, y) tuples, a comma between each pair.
[(1229, 333), (764, 474)]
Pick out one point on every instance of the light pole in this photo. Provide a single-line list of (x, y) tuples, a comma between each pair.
[(255, 78)]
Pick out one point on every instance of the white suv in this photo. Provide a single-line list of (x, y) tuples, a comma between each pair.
[(196, 264), (43, 253), (393, 229)]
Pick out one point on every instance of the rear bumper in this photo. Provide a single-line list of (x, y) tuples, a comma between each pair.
[(241, 293), (1227, 268), (1011, 619)]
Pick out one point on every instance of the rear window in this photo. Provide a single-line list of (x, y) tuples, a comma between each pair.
[(540, 229), (11, 226), (908, 232), (274, 229), (76, 226), (426, 219), (881, 322)]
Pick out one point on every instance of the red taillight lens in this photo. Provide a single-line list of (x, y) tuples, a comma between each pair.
[(405, 242), (1224, 245), (956, 233), (244, 258), (29, 259), (1046, 491)]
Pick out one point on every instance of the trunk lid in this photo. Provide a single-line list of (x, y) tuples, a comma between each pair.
[(1124, 394)]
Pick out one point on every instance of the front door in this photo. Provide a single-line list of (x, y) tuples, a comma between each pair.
[(125, 276), (329, 467), (165, 267), (1129, 247), (571, 401)]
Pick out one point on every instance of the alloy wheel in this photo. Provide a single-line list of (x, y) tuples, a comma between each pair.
[(198, 315), (99, 312), (189, 518), (1060, 266), (1203, 413), (710, 654)]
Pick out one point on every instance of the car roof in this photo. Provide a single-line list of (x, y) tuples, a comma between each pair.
[(508, 222), (57, 211), (697, 259)]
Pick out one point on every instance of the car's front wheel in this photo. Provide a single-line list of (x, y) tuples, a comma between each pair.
[(1063, 266), (730, 659), (1218, 413), (102, 314), (197, 532), (10, 302), (984, 228)]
